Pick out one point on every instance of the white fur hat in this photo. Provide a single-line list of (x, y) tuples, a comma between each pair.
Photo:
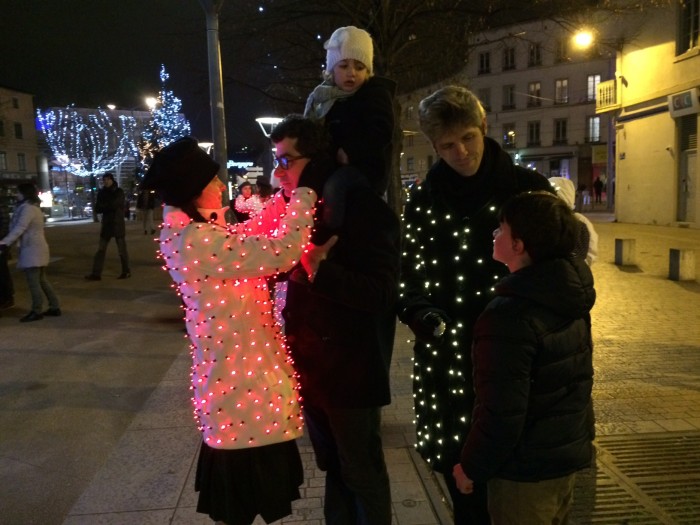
[(349, 42)]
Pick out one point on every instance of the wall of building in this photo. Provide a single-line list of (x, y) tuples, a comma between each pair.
[(648, 167), (17, 108)]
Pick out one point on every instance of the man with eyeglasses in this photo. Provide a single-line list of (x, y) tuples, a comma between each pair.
[(340, 323)]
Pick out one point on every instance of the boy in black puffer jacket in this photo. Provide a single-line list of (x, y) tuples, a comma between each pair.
[(532, 426)]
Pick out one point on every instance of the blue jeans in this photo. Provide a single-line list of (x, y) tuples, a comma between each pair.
[(99, 261), (348, 447), (38, 287)]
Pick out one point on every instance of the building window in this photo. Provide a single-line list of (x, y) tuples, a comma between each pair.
[(509, 97), (533, 133), (484, 95), (534, 57), (560, 131), (561, 51), (409, 141), (2, 128), (15, 102), (22, 162), (592, 87), (409, 112), (508, 58), (410, 164), (534, 94), (18, 130), (484, 63), (561, 91), (509, 135), (3, 160), (593, 129), (689, 24)]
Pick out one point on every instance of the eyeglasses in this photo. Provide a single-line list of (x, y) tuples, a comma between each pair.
[(285, 161)]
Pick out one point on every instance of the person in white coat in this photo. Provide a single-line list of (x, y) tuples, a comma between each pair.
[(244, 390), (587, 242), (27, 227)]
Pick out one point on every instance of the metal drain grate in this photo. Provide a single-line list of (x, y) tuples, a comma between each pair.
[(641, 479)]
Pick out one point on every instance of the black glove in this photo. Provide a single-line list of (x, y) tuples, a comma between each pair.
[(429, 324)]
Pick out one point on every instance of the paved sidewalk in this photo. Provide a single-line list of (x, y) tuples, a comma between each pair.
[(108, 382)]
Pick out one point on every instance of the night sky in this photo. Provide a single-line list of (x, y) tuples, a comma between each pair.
[(94, 53)]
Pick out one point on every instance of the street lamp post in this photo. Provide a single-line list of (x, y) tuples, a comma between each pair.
[(584, 39), (216, 91), (267, 124)]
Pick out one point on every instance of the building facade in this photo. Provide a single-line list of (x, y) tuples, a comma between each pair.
[(624, 109), (539, 94), (20, 157), (654, 99)]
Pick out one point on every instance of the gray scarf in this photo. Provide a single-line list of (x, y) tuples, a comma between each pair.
[(321, 100)]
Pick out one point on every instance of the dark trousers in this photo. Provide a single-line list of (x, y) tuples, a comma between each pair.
[(99, 261), (468, 509), (7, 288), (348, 447)]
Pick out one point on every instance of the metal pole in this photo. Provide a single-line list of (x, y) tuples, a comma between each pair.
[(216, 90)]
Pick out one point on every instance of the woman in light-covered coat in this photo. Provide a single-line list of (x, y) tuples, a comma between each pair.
[(27, 226), (245, 392)]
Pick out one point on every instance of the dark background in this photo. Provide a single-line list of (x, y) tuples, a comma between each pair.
[(94, 53)]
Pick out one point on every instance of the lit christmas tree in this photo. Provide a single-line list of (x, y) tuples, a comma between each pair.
[(167, 122)]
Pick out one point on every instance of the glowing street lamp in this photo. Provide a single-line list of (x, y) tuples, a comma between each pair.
[(267, 124)]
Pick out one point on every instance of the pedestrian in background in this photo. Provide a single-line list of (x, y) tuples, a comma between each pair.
[(245, 393), (587, 240), (27, 227), (246, 203), (146, 203), (448, 274), (357, 110), (111, 204), (533, 424), (7, 287), (340, 323)]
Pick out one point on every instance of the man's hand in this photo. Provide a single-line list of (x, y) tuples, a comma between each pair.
[(464, 484), (313, 255), (429, 325)]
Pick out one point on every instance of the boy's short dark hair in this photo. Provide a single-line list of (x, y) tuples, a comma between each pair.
[(108, 176), (312, 138), (544, 222)]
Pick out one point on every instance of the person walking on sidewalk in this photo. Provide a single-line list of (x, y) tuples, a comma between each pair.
[(110, 203), (448, 274), (533, 424), (27, 227), (340, 322), (245, 393)]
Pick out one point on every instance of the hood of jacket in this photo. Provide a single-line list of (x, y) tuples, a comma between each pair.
[(561, 285)]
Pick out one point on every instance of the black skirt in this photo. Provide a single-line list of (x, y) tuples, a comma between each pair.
[(236, 485)]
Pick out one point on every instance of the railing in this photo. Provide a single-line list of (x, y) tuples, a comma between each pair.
[(607, 97)]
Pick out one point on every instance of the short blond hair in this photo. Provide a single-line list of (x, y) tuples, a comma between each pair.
[(450, 108)]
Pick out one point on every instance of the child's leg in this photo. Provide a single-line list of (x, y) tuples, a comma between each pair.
[(335, 191)]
